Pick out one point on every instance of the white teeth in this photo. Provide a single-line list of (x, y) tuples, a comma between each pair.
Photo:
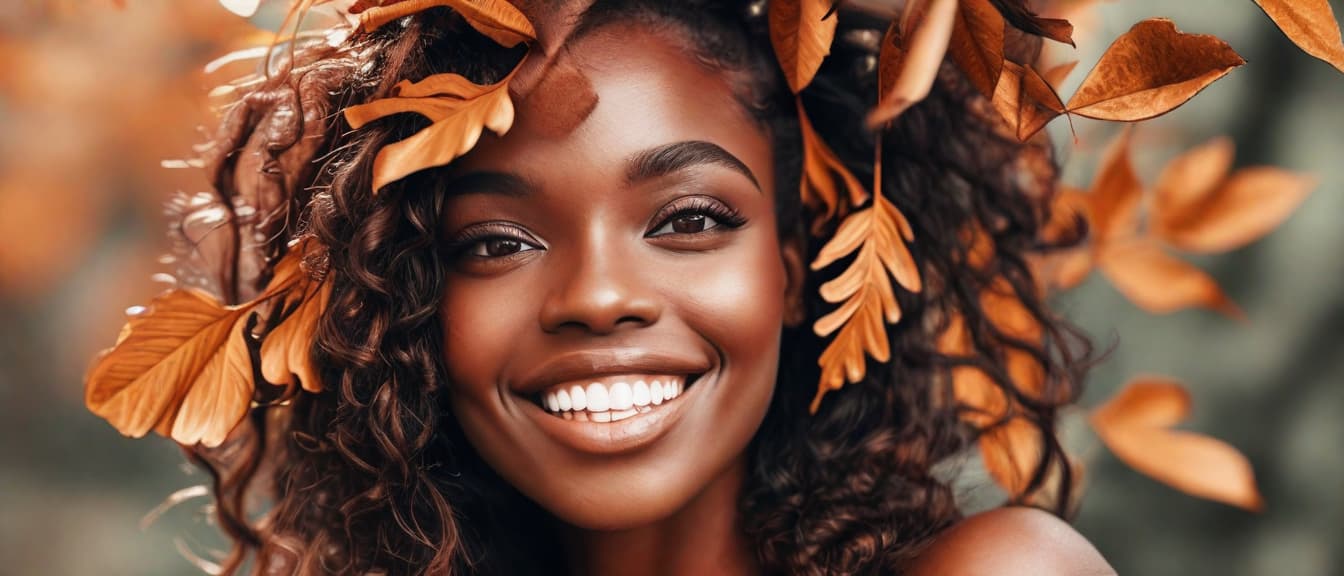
[(551, 403), (597, 398), (640, 393), (656, 392), (621, 396), (610, 401), (578, 400)]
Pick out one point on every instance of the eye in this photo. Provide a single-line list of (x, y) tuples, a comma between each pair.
[(497, 247), (695, 215)]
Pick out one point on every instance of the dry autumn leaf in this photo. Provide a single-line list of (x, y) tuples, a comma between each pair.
[(801, 34), (1021, 17), (1311, 25), (908, 68), (1159, 282), (286, 350), (1025, 100), (182, 367), (1199, 208), (821, 167), (976, 44), (879, 233), (459, 110), (1150, 70), (497, 19), (1137, 424)]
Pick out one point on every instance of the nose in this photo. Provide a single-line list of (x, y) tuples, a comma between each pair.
[(599, 289)]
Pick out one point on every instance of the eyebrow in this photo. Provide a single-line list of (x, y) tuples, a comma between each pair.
[(649, 164), (672, 158)]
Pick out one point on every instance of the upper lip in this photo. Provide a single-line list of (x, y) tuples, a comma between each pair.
[(597, 363)]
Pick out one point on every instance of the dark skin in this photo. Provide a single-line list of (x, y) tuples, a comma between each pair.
[(640, 243)]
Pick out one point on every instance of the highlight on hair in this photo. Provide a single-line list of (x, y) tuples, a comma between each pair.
[(374, 475)]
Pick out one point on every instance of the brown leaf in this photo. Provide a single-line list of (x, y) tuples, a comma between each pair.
[(1161, 283), (1136, 426), (460, 111), (977, 44), (286, 351), (801, 38), (181, 367), (1250, 204), (1024, 100), (821, 167), (906, 71), (1113, 205), (1022, 18), (879, 233), (1311, 25), (1151, 70), (1011, 453), (1189, 179), (498, 19)]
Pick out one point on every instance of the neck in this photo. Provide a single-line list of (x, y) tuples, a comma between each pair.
[(703, 537)]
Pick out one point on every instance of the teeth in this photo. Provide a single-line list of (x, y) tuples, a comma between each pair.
[(611, 400), (640, 394), (621, 396)]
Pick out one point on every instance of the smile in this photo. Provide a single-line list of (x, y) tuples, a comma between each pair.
[(611, 398)]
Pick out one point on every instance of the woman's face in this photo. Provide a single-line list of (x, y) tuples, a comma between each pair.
[(613, 310)]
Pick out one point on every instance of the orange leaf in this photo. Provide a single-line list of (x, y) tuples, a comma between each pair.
[(498, 19), (1159, 282), (1116, 192), (820, 168), (182, 367), (801, 38), (1188, 181), (1247, 206), (977, 44), (1024, 100), (1151, 70), (460, 111), (1017, 14), (906, 72), (879, 233), (1135, 425), (1011, 453), (286, 351), (1311, 25)]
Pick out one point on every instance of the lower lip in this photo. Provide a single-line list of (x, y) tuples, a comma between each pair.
[(608, 438)]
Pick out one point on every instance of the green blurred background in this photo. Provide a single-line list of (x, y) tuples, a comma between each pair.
[(93, 98)]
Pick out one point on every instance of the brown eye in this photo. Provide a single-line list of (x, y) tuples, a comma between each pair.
[(499, 247), (688, 224)]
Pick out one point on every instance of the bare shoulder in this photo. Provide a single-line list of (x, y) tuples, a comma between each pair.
[(1011, 541)]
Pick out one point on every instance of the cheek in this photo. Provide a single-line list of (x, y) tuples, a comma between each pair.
[(480, 321)]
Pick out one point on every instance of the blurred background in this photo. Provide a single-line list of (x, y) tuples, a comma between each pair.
[(93, 99)]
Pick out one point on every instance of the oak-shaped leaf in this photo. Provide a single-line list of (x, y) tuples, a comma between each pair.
[(498, 19), (1311, 25), (1136, 424), (1150, 70), (1198, 207), (878, 234), (459, 109), (286, 350), (912, 52), (801, 32)]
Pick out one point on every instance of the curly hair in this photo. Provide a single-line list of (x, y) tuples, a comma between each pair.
[(374, 475)]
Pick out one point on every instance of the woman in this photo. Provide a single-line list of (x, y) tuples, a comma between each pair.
[(586, 345)]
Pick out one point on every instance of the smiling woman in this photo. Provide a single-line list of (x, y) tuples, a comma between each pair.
[(586, 340)]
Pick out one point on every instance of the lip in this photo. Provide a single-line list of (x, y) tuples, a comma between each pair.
[(593, 364), (611, 438)]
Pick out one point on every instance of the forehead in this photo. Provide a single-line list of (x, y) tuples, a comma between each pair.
[(616, 91)]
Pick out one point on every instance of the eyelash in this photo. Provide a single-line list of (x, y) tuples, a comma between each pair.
[(465, 244)]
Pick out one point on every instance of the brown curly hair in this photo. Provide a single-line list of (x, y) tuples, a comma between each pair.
[(374, 475)]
